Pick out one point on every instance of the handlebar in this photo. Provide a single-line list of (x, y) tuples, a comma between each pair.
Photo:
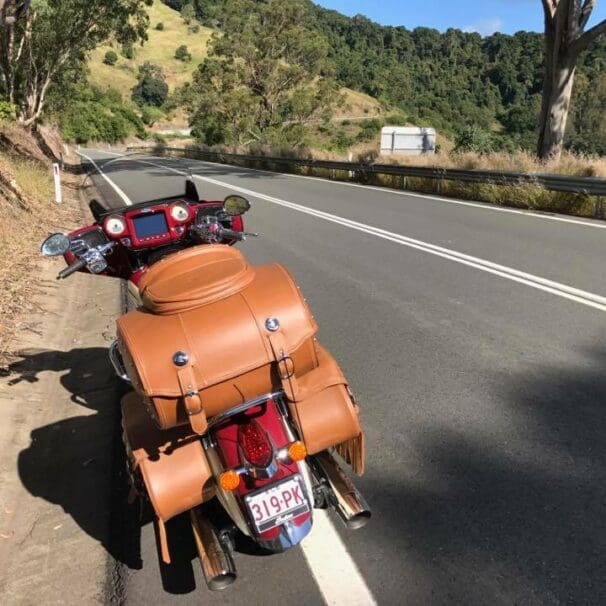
[(72, 269), (232, 235)]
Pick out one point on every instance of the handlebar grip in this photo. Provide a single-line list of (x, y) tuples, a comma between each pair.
[(71, 269), (231, 234)]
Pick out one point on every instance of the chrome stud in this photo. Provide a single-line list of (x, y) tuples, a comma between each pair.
[(180, 358), (272, 324)]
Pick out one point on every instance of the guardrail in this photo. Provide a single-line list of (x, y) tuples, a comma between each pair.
[(586, 186)]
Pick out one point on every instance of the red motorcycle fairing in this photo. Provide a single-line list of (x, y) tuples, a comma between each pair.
[(270, 420)]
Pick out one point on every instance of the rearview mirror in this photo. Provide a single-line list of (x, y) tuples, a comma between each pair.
[(55, 245), (236, 205)]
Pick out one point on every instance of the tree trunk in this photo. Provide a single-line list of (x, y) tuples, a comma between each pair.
[(555, 105)]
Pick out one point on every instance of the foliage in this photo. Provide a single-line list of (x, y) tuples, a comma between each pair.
[(476, 140), (111, 58), (266, 74), (369, 129), (94, 115), (182, 53), (128, 51), (160, 26), (7, 111), (55, 35), (150, 115), (188, 13), (151, 88)]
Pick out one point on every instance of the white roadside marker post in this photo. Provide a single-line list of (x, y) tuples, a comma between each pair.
[(57, 179)]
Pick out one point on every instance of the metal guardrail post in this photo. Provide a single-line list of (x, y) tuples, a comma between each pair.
[(599, 208)]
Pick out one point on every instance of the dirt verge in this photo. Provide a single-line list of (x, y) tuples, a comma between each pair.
[(58, 406)]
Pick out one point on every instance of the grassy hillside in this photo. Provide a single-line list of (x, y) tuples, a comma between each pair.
[(159, 49)]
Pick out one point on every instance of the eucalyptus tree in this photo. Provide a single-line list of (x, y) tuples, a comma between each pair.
[(267, 74), (566, 36), (40, 38)]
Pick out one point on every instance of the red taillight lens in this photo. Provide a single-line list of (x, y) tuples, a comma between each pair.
[(255, 444)]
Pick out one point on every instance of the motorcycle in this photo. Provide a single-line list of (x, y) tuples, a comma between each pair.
[(233, 399)]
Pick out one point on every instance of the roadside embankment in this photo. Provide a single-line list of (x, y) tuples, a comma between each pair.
[(58, 402)]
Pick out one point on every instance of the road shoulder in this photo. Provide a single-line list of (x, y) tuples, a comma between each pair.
[(58, 403)]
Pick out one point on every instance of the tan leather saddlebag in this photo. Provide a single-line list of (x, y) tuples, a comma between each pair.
[(326, 414), (172, 463), (200, 349)]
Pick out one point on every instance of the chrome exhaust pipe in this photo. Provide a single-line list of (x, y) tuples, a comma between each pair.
[(344, 498), (217, 564)]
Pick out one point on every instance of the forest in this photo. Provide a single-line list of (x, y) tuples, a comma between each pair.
[(453, 80)]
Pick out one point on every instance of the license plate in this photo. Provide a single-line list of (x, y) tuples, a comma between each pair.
[(278, 503)]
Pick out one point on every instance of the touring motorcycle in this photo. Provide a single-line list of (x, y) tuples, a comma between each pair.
[(233, 400)]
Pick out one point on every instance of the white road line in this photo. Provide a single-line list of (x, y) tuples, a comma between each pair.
[(555, 288), (336, 574), (122, 195), (387, 190), (332, 567)]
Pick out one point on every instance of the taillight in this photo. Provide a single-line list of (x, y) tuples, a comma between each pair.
[(255, 444)]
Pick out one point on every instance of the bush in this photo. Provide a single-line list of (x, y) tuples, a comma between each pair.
[(97, 116), (150, 115), (369, 129), (111, 58), (151, 88), (160, 26), (7, 111), (128, 51), (193, 29), (474, 139), (183, 54)]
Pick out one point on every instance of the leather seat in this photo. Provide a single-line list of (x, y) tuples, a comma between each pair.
[(193, 278)]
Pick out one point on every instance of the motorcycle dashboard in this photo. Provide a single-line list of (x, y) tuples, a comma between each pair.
[(152, 225)]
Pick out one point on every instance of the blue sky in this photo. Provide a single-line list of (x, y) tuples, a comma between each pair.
[(483, 16)]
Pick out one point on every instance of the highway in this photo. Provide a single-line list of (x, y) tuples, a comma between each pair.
[(474, 339)]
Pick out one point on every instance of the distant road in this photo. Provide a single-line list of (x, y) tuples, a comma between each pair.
[(475, 339)]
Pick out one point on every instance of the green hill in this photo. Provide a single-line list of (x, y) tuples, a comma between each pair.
[(159, 49)]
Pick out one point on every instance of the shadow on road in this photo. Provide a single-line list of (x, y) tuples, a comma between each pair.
[(509, 518), (72, 462)]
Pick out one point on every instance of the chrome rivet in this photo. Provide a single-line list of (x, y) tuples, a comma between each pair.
[(180, 358), (272, 324)]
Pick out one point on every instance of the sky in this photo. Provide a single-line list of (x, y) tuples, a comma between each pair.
[(482, 16)]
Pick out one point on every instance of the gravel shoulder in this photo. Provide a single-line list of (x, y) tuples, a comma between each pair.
[(58, 405)]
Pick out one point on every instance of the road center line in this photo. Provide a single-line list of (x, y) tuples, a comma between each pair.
[(555, 288)]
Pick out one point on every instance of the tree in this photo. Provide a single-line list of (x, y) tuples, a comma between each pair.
[(566, 37), (183, 54), (266, 74), (111, 58), (52, 35), (151, 88), (188, 13)]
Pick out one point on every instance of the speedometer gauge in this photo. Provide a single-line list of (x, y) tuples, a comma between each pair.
[(114, 225), (179, 212)]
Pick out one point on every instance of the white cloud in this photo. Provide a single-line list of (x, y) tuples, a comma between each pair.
[(485, 27)]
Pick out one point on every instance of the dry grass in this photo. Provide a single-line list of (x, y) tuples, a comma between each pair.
[(21, 232), (159, 49)]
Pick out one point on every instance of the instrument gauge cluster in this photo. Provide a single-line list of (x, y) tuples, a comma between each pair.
[(180, 212), (114, 225)]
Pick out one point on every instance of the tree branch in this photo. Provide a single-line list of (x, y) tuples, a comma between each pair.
[(581, 43), (586, 10)]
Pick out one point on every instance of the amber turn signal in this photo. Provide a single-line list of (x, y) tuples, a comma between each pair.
[(229, 480), (297, 451)]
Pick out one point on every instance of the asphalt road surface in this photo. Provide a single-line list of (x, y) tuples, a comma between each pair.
[(474, 338)]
